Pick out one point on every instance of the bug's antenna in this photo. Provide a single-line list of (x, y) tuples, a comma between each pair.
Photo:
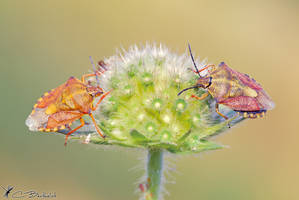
[(189, 46), (94, 70), (196, 86)]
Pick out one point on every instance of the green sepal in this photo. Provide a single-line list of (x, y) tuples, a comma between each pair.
[(138, 137)]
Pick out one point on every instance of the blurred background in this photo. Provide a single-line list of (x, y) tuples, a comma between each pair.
[(43, 43)]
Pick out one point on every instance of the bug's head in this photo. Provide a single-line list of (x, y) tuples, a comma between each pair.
[(94, 91), (202, 81)]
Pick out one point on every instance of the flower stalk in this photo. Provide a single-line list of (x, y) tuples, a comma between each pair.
[(154, 174)]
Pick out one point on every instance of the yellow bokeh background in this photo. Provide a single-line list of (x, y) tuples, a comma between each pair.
[(44, 42)]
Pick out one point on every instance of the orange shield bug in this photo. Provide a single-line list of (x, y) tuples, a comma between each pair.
[(233, 89), (58, 108)]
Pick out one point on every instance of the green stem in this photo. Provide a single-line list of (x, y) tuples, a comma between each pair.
[(154, 173)]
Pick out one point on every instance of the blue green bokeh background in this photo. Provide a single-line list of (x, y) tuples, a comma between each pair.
[(42, 43)]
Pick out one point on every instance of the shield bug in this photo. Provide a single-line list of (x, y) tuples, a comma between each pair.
[(57, 109), (233, 89)]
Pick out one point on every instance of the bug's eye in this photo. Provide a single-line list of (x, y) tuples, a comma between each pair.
[(90, 91), (94, 91), (204, 82), (210, 82)]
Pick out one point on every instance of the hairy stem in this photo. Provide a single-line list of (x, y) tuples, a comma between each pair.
[(154, 173)]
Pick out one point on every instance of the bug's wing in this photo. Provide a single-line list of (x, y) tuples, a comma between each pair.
[(47, 105), (50, 97), (242, 103), (62, 118), (54, 95), (264, 100), (39, 117), (251, 88), (76, 97), (244, 78)]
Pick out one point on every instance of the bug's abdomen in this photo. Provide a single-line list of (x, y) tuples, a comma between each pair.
[(252, 114)]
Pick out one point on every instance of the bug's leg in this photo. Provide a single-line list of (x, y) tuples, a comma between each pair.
[(101, 99), (89, 75), (203, 96), (68, 127), (193, 70), (219, 113), (95, 124), (69, 133), (206, 67)]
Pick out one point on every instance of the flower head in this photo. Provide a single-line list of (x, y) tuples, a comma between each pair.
[(144, 110)]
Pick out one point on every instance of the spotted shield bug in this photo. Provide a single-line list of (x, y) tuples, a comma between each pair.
[(57, 109), (233, 89)]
